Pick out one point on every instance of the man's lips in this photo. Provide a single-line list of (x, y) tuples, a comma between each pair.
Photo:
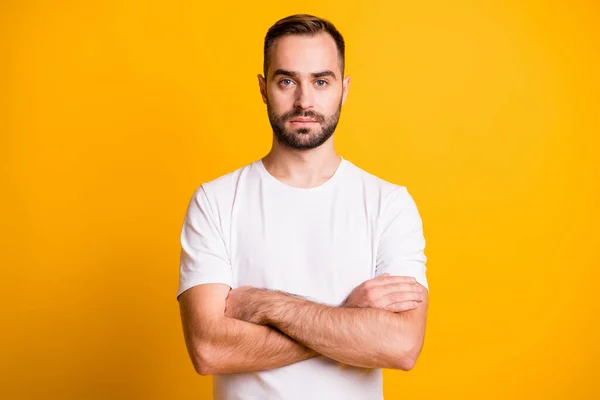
[(298, 121)]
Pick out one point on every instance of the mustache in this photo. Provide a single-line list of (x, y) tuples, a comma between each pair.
[(305, 114)]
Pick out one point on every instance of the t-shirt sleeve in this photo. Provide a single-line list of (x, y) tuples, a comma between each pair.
[(401, 242), (204, 257)]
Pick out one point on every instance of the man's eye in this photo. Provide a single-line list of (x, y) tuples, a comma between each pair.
[(285, 82), (321, 83)]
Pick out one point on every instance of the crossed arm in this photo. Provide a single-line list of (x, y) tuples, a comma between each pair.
[(250, 329), (218, 344)]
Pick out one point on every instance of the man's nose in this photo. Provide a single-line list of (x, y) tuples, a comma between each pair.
[(304, 98)]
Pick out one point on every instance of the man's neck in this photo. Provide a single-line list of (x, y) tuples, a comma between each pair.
[(302, 168)]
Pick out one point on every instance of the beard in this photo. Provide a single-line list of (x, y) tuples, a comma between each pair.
[(303, 138)]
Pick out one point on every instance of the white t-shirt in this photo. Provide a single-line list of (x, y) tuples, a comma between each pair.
[(249, 228)]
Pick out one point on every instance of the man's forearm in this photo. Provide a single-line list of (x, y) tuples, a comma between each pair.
[(363, 337), (235, 346)]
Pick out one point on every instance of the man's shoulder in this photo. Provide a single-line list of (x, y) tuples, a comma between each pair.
[(223, 187), (375, 184), (226, 180), (390, 199)]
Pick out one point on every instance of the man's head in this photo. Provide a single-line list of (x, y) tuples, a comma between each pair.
[(303, 86)]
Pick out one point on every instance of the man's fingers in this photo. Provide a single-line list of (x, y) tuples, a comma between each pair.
[(402, 296), (397, 278), (397, 289), (388, 279), (400, 287), (402, 306)]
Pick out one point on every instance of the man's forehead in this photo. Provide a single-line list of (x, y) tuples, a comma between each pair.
[(305, 54)]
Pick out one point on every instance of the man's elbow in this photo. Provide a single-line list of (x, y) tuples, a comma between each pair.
[(405, 363), (203, 369), (202, 360), (406, 359)]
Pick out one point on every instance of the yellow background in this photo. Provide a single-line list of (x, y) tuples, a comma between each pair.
[(113, 112)]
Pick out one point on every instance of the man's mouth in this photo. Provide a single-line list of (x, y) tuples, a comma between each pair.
[(302, 121)]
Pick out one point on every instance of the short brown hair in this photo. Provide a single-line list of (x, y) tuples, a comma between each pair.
[(303, 25)]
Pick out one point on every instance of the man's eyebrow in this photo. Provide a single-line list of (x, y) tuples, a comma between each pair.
[(293, 74), (323, 73), (285, 73)]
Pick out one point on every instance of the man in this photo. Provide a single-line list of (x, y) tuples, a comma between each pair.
[(302, 275)]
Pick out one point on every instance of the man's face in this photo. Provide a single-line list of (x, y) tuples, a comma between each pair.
[(304, 91)]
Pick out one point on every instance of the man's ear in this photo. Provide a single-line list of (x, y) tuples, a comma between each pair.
[(346, 86), (263, 87)]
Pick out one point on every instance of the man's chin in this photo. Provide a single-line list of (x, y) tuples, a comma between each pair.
[(298, 141), (301, 132)]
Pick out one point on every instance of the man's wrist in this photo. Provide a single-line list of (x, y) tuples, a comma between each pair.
[(266, 304), (279, 306), (258, 303)]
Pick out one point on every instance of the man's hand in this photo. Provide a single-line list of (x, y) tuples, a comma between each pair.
[(392, 293)]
